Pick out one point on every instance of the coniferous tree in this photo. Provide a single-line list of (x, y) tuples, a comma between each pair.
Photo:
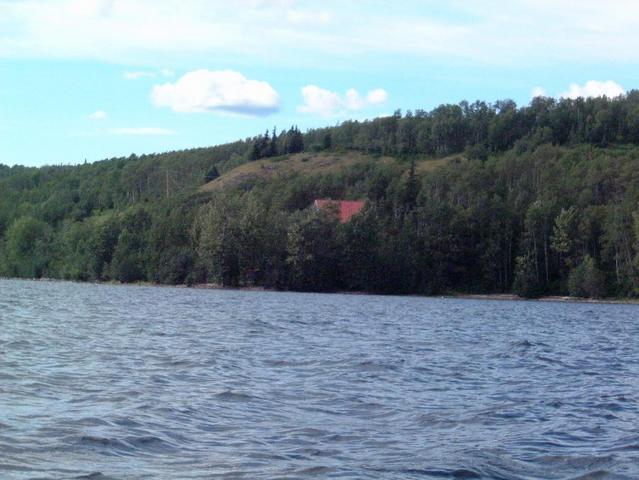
[(295, 141), (272, 146)]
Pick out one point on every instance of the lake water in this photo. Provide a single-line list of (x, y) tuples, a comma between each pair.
[(126, 382)]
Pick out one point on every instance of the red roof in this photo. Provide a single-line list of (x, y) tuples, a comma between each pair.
[(344, 208)]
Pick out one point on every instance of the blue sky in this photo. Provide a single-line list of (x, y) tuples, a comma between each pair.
[(93, 79)]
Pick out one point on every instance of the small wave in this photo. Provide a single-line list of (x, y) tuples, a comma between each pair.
[(610, 406), (458, 473), (11, 466), (307, 432), (319, 470), (552, 361), (626, 444), (148, 442), (91, 422), (230, 396), (126, 422), (102, 442), (373, 366), (596, 475), (94, 476), (286, 363)]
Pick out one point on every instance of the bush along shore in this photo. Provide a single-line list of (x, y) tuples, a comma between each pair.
[(540, 200)]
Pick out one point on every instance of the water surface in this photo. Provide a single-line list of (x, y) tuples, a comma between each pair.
[(125, 382)]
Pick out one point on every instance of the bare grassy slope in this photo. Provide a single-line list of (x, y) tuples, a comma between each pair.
[(308, 164)]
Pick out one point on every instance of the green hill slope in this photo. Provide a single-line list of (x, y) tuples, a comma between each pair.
[(541, 199), (247, 175)]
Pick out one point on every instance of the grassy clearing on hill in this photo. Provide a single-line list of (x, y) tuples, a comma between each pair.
[(312, 164)]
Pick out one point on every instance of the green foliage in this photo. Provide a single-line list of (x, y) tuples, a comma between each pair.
[(128, 264), (564, 234), (26, 247), (535, 199), (218, 240), (130, 256), (267, 146), (526, 283), (586, 280), (327, 142), (211, 175), (313, 253), (101, 244), (294, 141)]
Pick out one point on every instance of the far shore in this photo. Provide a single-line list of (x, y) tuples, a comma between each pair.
[(464, 296), (548, 298)]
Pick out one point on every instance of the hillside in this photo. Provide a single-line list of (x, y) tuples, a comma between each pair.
[(540, 199), (311, 163)]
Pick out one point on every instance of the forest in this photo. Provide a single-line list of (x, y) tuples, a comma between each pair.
[(541, 199)]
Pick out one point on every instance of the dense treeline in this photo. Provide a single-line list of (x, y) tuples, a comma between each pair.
[(550, 220), (482, 129), (542, 199)]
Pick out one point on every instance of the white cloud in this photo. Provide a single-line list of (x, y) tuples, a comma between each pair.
[(301, 17), (142, 131), (256, 4), (98, 115), (89, 8), (153, 33), (138, 75), (377, 96), (538, 92), (320, 101), (223, 91), (594, 88)]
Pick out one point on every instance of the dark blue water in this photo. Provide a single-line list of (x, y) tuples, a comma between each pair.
[(133, 382)]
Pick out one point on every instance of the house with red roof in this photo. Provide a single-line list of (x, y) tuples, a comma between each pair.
[(344, 210)]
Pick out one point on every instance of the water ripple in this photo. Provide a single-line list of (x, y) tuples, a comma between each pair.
[(118, 383)]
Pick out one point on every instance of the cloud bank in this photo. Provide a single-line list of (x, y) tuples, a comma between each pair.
[(590, 89), (289, 31), (326, 103), (223, 91), (594, 88), (98, 115)]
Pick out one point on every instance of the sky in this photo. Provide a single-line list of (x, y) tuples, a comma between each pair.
[(93, 79)]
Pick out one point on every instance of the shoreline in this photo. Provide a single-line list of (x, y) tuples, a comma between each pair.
[(510, 297), (502, 297)]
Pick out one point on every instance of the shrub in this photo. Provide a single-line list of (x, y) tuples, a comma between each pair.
[(586, 280), (526, 283)]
